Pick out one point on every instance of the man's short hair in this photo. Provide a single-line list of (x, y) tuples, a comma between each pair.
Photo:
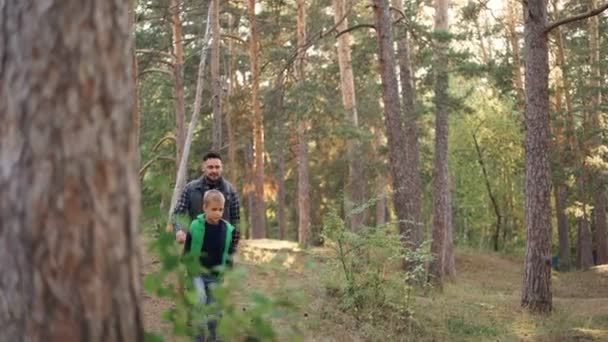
[(212, 155), (213, 195)]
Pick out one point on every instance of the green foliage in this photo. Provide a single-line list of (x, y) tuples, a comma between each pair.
[(459, 326), (244, 315), (372, 284)]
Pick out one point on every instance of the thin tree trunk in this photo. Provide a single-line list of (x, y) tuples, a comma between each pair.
[(180, 181), (232, 110), (135, 114), (441, 218), (216, 141), (355, 187), (512, 15), (303, 176), (493, 200), (559, 153), (562, 227), (259, 216), (412, 154), (69, 194), (392, 114), (178, 80), (585, 247), (282, 140), (536, 292), (599, 191)]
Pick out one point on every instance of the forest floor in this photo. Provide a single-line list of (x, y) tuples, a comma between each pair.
[(482, 303)]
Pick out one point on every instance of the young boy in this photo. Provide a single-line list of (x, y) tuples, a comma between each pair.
[(214, 241)]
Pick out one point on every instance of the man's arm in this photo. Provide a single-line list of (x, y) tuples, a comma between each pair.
[(235, 217), (181, 210)]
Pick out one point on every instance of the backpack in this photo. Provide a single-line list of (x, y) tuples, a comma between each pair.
[(197, 230)]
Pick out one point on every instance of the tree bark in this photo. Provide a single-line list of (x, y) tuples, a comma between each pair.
[(259, 215), (408, 96), (303, 123), (355, 187), (178, 80), (536, 292), (562, 227), (512, 10), (392, 114), (599, 191), (232, 110), (441, 218), (216, 141), (69, 192)]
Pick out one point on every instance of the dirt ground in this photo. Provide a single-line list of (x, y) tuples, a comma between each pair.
[(485, 296)]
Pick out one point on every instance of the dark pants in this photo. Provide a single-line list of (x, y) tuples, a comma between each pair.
[(204, 285)]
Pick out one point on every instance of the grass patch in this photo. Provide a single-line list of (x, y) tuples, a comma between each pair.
[(459, 326)]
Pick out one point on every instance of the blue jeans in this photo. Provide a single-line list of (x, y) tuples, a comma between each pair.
[(204, 285)]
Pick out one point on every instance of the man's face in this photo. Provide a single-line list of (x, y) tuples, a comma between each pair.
[(212, 169), (214, 210)]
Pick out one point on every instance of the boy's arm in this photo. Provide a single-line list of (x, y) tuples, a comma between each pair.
[(235, 241)]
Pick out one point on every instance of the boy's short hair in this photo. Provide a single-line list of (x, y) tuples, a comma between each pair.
[(213, 195), (211, 155)]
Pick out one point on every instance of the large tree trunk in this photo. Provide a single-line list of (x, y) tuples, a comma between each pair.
[(355, 187), (442, 213), (392, 115), (599, 191), (303, 123), (69, 200), (216, 141), (536, 292), (259, 215), (178, 80), (408, 94)]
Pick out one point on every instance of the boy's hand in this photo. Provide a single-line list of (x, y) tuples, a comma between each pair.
[(180, 237)]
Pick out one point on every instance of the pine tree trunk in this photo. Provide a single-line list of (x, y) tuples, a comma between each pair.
[(585, 247), (216, 141), (408, 94), (562, 227), (69, 200), (282, 141), (512, 14), (259, 215), (135, 114), (231, 112), (355, 187), (599, 190), (441, 218), (178, 80), (536, 292), (392, 113), (303, 176)]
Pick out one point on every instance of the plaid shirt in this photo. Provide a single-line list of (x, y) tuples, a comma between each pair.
[(201, 185)]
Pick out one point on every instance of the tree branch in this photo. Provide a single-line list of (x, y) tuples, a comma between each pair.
[(581, 16), (352, 28)]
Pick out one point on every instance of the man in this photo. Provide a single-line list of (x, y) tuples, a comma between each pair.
[(190, 203)]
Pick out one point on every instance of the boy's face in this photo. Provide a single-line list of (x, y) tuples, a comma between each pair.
[(214, 210)]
